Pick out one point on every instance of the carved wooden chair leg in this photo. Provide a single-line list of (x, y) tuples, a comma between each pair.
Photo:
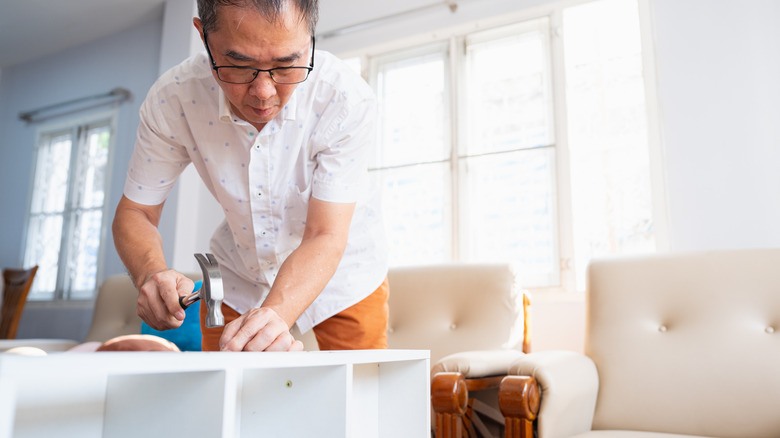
[(450, 399), (519, 398)]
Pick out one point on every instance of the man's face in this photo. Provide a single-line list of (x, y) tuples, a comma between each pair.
[(245, 38)]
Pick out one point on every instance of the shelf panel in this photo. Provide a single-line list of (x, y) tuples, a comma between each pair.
[(166, 405), (294, 402)]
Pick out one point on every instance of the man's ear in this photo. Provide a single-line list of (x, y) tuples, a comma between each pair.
[(199, 26)]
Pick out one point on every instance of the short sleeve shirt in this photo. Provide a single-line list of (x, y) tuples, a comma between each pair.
[(318, 146)]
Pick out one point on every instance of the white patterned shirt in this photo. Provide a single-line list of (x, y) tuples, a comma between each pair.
[(319, 145)]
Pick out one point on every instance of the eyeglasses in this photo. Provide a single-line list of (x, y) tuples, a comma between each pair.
[(245, 75)]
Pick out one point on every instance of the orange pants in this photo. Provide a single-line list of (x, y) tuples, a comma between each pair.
[(360, 327)]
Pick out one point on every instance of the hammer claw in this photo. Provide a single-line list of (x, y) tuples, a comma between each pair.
[(211, 293)]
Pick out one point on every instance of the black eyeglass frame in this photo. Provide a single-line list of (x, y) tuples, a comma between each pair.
[(257, 71)]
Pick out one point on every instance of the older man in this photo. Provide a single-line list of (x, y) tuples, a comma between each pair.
[(281, 135)]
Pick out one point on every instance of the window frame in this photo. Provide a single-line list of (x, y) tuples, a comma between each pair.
[(75, 126), (457, 36)]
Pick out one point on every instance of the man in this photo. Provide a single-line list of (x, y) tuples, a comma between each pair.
[(281, 136)]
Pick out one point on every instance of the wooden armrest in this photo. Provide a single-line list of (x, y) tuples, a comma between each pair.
[(519, 399), (453, 407)]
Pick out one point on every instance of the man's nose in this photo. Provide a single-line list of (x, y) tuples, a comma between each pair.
[(263, 86)]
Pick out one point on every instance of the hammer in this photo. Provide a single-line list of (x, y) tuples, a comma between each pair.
[(211, 291)]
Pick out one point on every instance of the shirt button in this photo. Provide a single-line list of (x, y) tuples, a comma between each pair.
[(257, 147), (259, 195)]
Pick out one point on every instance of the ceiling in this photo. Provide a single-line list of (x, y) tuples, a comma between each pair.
[(31, 29)]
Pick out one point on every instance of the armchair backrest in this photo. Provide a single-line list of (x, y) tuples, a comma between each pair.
[(687, 343), (449, 308), (115, 310)]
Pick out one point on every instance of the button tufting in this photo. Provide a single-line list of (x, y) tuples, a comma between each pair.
[(662, 328), (453, 326), (769, 329), (390, 330)]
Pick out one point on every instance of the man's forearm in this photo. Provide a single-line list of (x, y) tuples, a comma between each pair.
[(303, 275), (138, 242)]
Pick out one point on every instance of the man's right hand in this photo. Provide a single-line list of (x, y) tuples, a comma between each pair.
[(158, 299)]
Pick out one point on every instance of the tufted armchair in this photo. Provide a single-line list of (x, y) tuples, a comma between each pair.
[(473, 319), (681, 345)]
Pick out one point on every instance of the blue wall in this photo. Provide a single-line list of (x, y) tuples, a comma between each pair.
[(129, 59)]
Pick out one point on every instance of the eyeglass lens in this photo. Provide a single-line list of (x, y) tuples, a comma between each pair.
[(239, 75)]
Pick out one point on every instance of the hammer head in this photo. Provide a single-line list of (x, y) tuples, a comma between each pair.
[(211, 293)]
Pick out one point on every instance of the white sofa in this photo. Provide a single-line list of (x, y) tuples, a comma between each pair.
[(676, 345)]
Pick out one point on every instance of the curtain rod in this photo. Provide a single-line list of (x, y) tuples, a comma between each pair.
[(451, 4), (117, 95)]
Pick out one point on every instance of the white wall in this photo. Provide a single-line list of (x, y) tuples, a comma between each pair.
[(718, 69)]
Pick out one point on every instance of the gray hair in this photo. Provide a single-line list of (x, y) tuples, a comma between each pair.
[(271, 9)]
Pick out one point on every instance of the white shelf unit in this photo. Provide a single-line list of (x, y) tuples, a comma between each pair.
[(357, 394)]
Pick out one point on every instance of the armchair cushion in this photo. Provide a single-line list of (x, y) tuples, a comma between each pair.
[(477, 364)]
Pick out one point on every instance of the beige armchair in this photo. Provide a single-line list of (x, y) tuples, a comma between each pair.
[(473, 319), (676, 345)]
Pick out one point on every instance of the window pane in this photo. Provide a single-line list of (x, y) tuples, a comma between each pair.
[(413, 114), (509, 212), (83, 254), (415, 207), (93, 157), (44, 236), (51, 174), (610, 171), (508, 89)]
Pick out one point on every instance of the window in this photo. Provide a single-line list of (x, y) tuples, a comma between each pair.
[(526, 142), (607, 129), (413, 161), (66, 211)]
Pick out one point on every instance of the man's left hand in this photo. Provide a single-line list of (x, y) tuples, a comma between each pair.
[(258, 330)]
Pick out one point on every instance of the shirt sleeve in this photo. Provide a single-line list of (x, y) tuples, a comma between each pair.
[(158, 157), (341, 174)]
